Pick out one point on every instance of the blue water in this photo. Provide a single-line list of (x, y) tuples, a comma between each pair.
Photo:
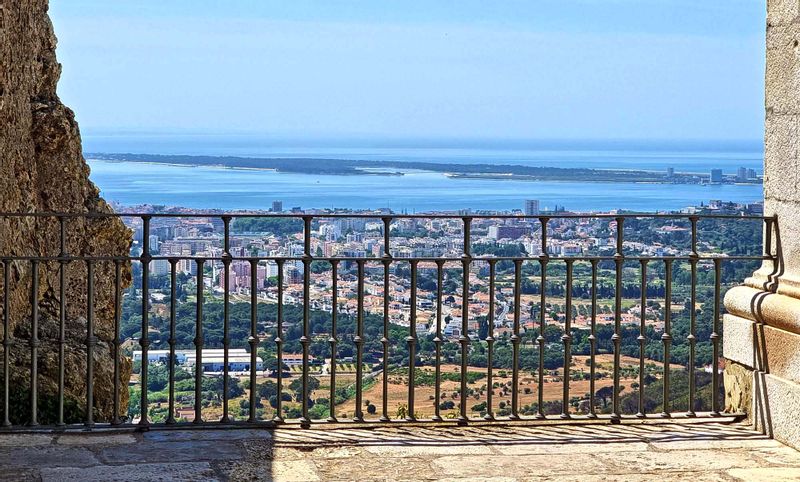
[(207, 187)]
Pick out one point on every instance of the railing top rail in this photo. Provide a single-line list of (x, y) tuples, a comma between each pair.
[(611, 216), (396, 259)]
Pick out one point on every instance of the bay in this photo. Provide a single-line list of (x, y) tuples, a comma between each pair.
[(132, 183)]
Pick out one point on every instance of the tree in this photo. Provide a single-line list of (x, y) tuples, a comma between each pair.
[(266, 389), (273, 400), (605, 393), (297, 387), (272, 367), (483, 328)]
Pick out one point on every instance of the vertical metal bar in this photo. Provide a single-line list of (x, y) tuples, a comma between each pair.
[(34, 342), (692, 338), (279, 346), (387, 261), (543, 221), (666, 337), (144, 341), (226, 264), (693, 224), (544, 257), (715, 338), (437, 342), (333, 340), (116, 420), (305, 339), (411, 340), (771, 247), (566, 339), (693, 259), (768, 225), (490, 342), (253, 340), (358, 340), (641, 338), (617, 336), (540, 340), (593, 343), (91, 341), (198, 343), (62, 316), (515, 341), (466, 259), (6, 344), (387, 226), (172, 341)]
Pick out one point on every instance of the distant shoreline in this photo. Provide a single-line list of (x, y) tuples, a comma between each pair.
[(347, 167)]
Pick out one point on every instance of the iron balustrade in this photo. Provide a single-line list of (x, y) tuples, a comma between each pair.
[(467, 261)]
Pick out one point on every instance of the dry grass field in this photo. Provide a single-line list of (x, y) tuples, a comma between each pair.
[(425, 402)]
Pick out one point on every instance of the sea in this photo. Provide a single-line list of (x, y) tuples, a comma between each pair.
[(133, 183)]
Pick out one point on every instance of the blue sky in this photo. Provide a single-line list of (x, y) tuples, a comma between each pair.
[(514, 69)]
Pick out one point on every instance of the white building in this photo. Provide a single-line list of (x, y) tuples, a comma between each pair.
[(213, 359)]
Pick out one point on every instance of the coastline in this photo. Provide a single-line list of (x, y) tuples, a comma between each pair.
[(345, 167)]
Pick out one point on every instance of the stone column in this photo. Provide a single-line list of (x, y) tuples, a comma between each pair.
[(762, 328)]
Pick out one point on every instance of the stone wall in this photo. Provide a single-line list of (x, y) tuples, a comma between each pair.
[(762, 327), (781, 143), (42, 170)]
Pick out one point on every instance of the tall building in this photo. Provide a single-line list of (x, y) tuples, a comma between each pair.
[(531, 207), (277, 206), (508, 232), (716, 176), (751, 174), (218, 224), (741, 174), (154, 243)]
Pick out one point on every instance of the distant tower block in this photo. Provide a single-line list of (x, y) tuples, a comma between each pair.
[(741, 174), (531, 207), (716, 176), (277, 206)]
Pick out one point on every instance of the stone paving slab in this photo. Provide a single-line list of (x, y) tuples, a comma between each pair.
[(19, 475), (95, 439), (118, 473), (499, 453), (206, 434), (24, 440), (167, 451), (46, 456)]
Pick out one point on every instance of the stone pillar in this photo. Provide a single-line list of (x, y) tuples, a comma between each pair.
[(762, 328)]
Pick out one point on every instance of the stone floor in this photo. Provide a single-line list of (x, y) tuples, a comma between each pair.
[(697, 452)]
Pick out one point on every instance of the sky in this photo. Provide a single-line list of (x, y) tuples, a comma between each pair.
[(466, 69)]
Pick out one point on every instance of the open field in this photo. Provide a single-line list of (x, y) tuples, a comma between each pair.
[(450, 396)]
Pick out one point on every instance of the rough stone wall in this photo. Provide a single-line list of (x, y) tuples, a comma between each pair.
[(42, 170), (738, 380)]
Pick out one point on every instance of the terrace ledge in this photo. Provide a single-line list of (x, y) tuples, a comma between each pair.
[(772, 309)]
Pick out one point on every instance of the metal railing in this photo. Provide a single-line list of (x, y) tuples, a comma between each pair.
[(615, 261)]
